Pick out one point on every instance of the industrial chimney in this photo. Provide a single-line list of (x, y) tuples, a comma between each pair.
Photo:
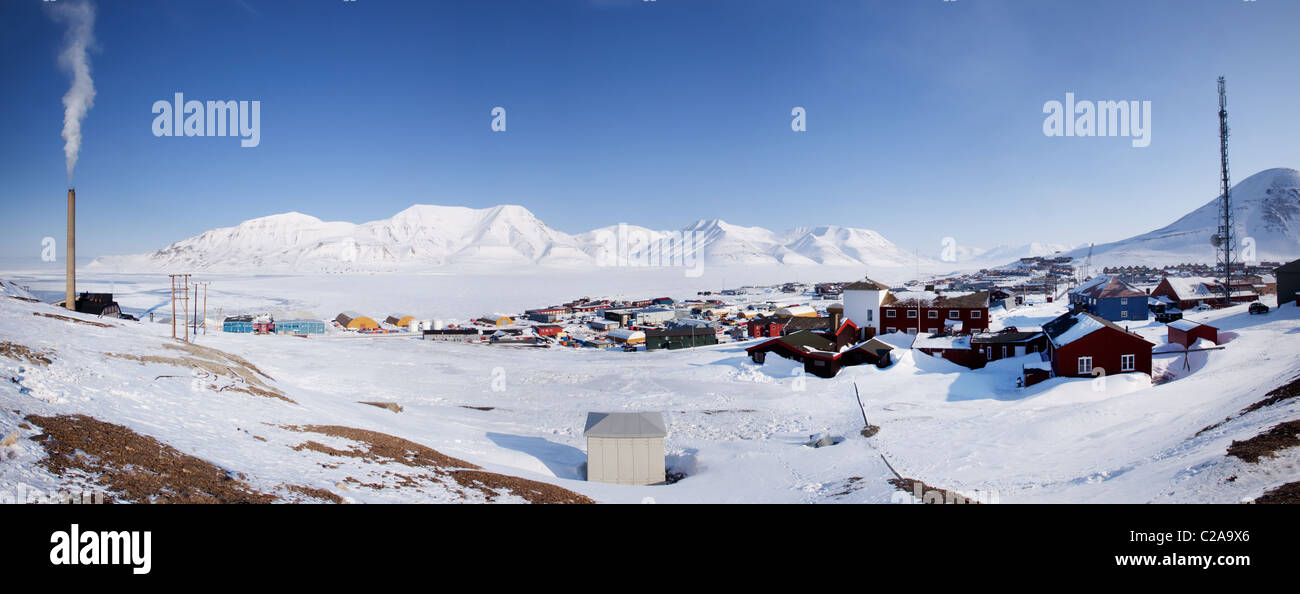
[(70, 299)]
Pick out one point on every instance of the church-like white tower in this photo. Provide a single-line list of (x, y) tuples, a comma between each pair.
[(862, 303)]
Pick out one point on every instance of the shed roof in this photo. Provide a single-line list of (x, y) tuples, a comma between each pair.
[(640, 424), (1184, 325)]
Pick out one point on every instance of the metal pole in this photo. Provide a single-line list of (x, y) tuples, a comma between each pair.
[(70, 296), (173, 279)]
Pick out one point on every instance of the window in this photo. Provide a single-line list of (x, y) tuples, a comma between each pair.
[(932, 314), (1123, 300), (1123, 313), (1085, 364), (911, 313), (975, 315), (1128, 363), (1004, 351), (869, 312), (954, 315), (911, 330), (889, 313)]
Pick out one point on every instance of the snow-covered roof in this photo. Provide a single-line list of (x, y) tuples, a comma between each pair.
[(1068, 328), (901, 340), (641, 424), (1189, 288), (961, 341), (625, 334), (1184, 325), (1107, 286)]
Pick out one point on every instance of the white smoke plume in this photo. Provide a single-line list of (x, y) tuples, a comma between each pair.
[(74, 59)]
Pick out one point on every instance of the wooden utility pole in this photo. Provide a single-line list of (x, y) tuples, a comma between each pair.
[(181, 294), (203, 321)]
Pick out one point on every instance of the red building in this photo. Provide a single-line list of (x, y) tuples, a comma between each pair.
[(1189, 292), (1085, 345), (765, 327), (1186, 333), (548, 329), (928, 313), (590, 307), (824, 353)]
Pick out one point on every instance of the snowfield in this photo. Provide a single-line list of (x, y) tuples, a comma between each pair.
[(736, 429)]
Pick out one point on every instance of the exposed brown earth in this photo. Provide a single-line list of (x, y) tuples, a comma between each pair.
[(22, 353), (71, 319), (393, 406), (909, 485), (491, 485), (1279, 437), (132, 467), (1286, 391), (1288, 493), (247, 377), (381, 448), (314, 493)]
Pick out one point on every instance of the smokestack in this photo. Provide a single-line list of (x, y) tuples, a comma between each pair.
[(70, 300)]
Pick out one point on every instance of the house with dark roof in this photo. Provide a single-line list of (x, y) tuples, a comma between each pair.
[(824, 354), (679, 338), (927, 312), (1111, 298), (1008, 343), (1187, 292), (1086, 345), (765, 327)]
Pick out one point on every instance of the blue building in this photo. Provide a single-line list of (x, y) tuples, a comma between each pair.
[(1110, 298), (238, 324), (300, 327)]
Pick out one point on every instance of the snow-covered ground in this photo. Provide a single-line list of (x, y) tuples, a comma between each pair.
[(736, 429)]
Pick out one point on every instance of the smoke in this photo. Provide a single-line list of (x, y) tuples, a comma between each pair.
[(74, 59)]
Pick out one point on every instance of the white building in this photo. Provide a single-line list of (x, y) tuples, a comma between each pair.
[(862, 301), (626, 448)]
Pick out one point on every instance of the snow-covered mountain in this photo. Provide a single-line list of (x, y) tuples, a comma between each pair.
[(425, 235), (1266, 207)]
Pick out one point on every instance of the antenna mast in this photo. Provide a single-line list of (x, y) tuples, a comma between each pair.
[(1224, 239)]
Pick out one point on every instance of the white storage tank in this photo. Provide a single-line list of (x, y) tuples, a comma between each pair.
[(626, 448)]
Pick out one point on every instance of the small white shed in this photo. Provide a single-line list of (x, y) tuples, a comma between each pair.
[(625, 448)]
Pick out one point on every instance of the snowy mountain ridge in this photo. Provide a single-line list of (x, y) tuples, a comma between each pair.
[(1266, 207), (508, 235)]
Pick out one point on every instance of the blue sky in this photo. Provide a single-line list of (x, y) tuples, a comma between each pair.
[(924, 117)]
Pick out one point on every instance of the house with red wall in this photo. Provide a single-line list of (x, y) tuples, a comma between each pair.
[(1085, 345), (548, 329), (765, 327), (1187, 332), (927, 312), (1188, 292)]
